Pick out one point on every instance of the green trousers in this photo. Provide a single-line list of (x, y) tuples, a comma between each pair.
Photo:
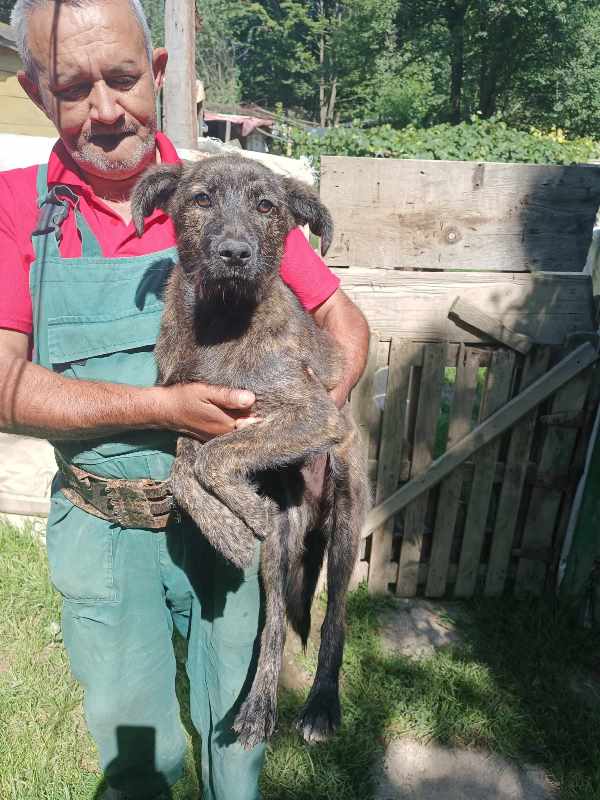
[(123, 591)]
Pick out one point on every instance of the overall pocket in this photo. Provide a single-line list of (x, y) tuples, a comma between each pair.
[(81, 553)]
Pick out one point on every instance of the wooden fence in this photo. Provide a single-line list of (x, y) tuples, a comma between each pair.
[(480, 390)]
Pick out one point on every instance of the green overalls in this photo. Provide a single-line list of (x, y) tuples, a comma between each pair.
[(98, 318)]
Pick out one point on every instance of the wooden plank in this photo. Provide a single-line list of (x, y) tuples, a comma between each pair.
[(432, 378), (415, 305), (394, 213), (517, 461), (467, 314), (450, 490), (497, 392), (544, 505), (179, 93), (484, 433), (390, 457)]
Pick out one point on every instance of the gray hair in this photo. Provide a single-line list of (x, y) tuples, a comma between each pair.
[(19, 20)]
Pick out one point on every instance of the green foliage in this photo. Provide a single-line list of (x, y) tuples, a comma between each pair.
[(476, 140), (6, 6)]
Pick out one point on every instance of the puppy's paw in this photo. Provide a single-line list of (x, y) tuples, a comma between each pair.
[(320, 716), (256, 719)]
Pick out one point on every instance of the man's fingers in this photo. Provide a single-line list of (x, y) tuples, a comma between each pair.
[(229, 398), (243, 422)]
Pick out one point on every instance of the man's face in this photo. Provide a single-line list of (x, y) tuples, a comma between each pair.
[(96, 85)]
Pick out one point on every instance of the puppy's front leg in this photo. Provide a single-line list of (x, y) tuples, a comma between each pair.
[(224, 464), (226, 532), (258, 714)]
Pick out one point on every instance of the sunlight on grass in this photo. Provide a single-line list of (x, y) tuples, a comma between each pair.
[(505, 689)]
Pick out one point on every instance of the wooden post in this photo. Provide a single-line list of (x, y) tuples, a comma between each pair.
[(181, 122)]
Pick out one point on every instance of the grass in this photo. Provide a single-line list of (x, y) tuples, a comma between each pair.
[(506, 689)]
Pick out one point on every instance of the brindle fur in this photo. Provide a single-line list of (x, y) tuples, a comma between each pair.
[(230, 320)]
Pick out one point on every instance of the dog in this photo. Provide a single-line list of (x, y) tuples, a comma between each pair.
[(229, 319)]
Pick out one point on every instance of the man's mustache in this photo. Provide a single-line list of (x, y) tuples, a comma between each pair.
[(99, 133)]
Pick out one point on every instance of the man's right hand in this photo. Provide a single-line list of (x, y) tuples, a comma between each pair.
[(203, 411), (38, 402)]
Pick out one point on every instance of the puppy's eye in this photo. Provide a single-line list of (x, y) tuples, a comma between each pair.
[(265, 206), (202, 200)]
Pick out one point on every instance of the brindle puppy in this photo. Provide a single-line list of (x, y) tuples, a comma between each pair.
[(230, 320)]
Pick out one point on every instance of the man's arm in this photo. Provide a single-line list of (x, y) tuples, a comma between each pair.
[(38, 402), (345, 322)]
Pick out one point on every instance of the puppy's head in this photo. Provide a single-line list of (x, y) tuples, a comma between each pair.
[(231, 217)]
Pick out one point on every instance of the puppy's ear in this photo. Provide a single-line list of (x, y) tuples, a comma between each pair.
[(306, 208), (152, 191)]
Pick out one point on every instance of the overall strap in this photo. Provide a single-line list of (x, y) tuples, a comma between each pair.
[(54, 209)]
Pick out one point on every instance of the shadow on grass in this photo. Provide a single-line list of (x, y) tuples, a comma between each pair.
[(506, 690)]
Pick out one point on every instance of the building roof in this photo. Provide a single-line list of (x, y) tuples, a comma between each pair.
[(7, 37)]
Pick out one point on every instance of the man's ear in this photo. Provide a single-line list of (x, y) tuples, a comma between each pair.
[(31, 89), (152, 191), (306, 208), (159, 65)]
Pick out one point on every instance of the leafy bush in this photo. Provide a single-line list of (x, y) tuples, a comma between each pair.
[(477, 140)]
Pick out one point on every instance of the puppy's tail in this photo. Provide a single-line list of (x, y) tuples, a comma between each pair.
[(303, 582)]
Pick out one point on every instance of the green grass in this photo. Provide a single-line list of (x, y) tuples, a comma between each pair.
[(505, 689)]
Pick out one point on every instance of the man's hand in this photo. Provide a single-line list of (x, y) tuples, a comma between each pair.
[(204, 411), (38, 402)]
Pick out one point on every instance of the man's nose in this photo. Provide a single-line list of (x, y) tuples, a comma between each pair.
[(104, 106)]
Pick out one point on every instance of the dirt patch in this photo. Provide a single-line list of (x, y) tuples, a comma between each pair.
[(417, 628), (415, 771), (294, 674)]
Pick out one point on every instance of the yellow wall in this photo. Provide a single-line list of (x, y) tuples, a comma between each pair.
[(17, 113)]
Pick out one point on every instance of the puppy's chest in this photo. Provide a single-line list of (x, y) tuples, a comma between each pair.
[(259, 363)]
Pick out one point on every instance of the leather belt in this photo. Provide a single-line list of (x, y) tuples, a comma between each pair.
[(140, 503)]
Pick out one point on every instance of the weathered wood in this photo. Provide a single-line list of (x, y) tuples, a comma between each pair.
[(449, 498), (467, 314), (517, 463), (179, 93), (495, 425), (390, 457), (459, 215), (497, 392), (415, 305), (432, 378), (544, 504)]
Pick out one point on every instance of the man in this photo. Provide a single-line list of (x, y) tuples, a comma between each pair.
[(93, 322)]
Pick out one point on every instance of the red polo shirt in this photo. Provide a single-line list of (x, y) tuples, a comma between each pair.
[(304, 272)]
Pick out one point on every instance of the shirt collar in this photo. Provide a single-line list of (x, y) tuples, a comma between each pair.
[(62, 169)]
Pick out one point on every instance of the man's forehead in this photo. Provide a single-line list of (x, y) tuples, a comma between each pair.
[(61, 36)]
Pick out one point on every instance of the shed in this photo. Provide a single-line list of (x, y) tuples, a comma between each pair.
[(17, 113)]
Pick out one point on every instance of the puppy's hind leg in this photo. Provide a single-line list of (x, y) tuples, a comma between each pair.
[(321, 714)]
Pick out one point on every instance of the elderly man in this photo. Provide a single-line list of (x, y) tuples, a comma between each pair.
[(70, 253)]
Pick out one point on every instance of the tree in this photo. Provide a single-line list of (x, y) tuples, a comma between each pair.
[(6, 6)]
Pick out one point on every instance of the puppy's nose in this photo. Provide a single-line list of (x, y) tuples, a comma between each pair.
[(230, 250)]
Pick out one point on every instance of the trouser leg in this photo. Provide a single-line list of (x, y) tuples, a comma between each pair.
[(224, 634), (117, 631)]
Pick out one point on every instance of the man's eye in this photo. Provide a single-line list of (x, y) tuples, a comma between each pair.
[(265, 206), (73, 92), (202, 200), (124, 82)]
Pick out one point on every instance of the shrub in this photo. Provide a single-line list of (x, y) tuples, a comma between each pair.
[(477, 140)]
